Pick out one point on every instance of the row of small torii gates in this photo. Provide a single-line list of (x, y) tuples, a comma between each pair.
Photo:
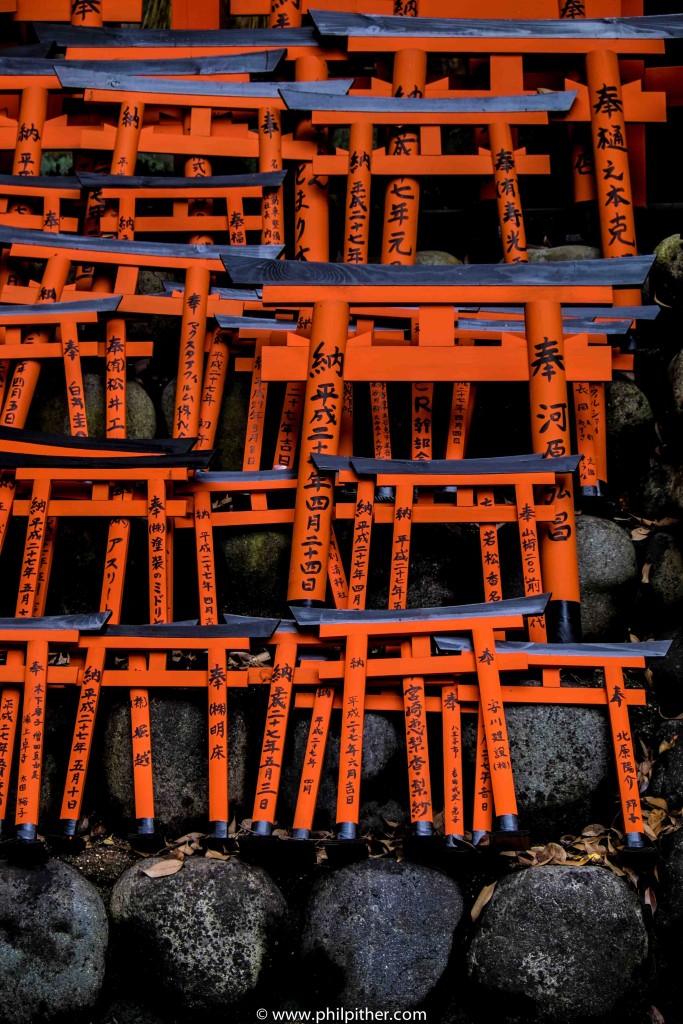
[(73, 249)]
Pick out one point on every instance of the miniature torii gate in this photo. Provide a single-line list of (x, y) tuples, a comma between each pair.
[(36, 635), (129, 257), (332, 287), (358, 630), (612, 659), (86, 668)]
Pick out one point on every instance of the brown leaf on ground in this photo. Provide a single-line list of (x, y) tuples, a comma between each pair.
[(162, 868), (481, 900)]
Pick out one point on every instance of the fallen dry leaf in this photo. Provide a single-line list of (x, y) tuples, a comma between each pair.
[(162, 868), (481, 900), (645, 575), (216, 855)]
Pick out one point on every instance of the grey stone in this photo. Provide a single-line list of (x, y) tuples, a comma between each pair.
[(435, 257), (253, 567), (53, 939), (533, 957), (560, 253), (179, 756), (666, 276), (658, 494), (231, 431), (630, 429), (675, 372), (379, 933), (562, 760), (201, 939), (667, 673), (627, 408), (667, 773), (670, 910), (168, 404), (140, 415), (661, 596), (608, 575)]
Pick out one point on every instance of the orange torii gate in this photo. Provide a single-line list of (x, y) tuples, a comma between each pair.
[(453, 689), (128, 257), (601, 41), (611, 659), (360, 629), (34, 636), (87, 668), (329, 362), (51, 480)]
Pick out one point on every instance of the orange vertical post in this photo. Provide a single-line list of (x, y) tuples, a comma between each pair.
[(285, 14), (550, 438), (191, 355), (9, 715), (311, 774), (86, 13), (358, 185), (495, 729), (508, 202), (218, 742), (270, 159), (530, 552), (31, 740), (275, 731), (351, 738), (311, 201), (115, 378), (212, 390), (451, 722), (402, 200), (624, 752), (320, 435)]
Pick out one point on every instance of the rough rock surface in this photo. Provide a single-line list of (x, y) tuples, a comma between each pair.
[(379, 933), (608, 573), (179, 751), (254, 567), (667, 774), (661, 589), (203, 938), (629, 425), (560, 253), (666, 276), (435, 257), (53, 940), (667, 674), (534, 956)]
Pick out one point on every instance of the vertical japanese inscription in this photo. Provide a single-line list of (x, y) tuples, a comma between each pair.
[(320, 435)]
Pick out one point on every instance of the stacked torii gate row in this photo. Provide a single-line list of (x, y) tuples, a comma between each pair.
[(61, 251), (455, 695), (86, 668), (384, 327), (304, 662), (234, 189), (543, 288)]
